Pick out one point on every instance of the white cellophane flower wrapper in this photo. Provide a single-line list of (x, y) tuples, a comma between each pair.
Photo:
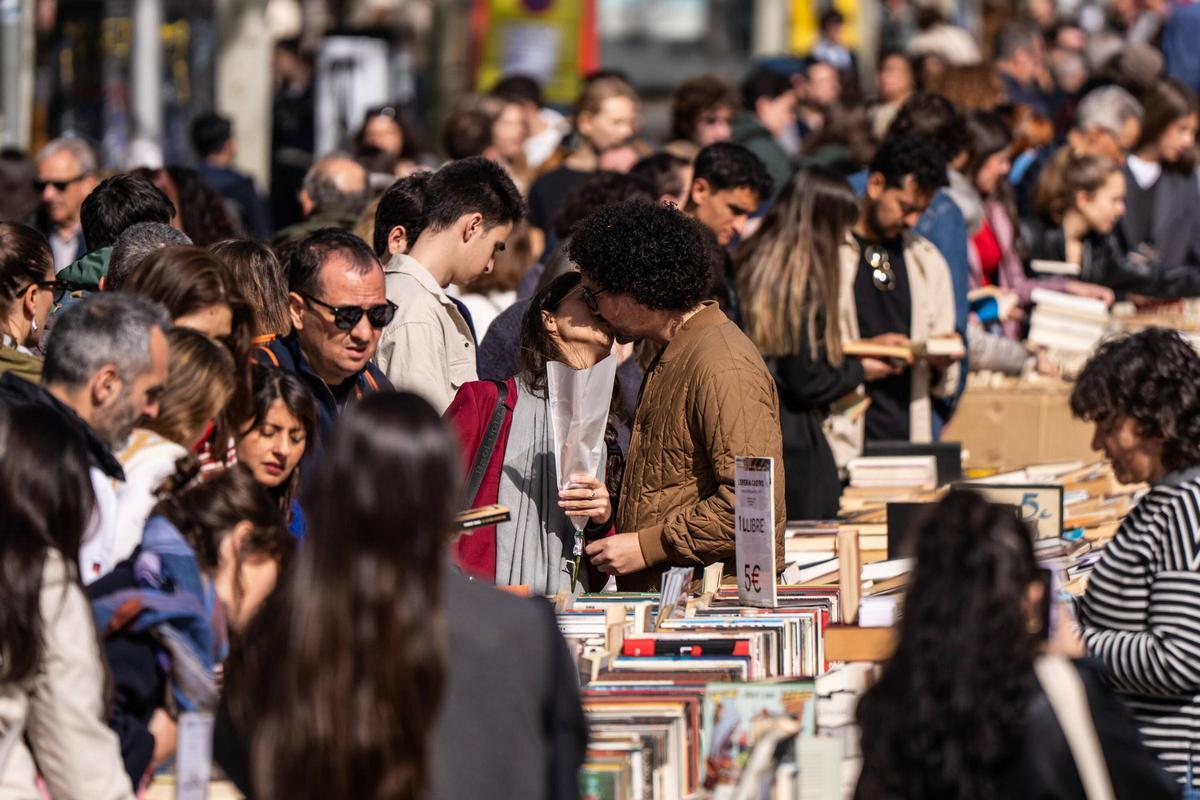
[(579, 403)]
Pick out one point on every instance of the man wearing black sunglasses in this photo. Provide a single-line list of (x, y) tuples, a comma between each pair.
[(338, 308), (66, 171)]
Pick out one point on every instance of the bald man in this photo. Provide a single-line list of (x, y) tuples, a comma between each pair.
[(332, 196)]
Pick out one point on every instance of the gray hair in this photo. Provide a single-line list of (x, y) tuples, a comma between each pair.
[(134, 244), (101, 329), (322, 186), (1108, 107), (74, 145)]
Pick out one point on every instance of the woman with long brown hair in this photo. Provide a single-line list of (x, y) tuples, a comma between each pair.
[(788, 276), (260, 280), (378, 671)]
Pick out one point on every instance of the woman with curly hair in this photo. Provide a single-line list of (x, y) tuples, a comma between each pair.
[(960, 711), (1140, 614)]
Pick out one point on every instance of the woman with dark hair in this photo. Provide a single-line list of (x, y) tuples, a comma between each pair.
[(1162, 194), (52, 677), (445, 688), (202, 214), (965, 707), (200, 384), (260, 279), (211, 553), (535, 547), (387, 129), (272, 443), (1140, 614), (789, 282), (27, 287)]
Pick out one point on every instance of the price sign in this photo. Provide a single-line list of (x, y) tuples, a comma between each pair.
[(1039, 505), (754, 513)]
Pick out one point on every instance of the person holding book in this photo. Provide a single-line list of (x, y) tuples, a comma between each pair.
[(1140, 614), (706, 399), (789, 286), (896, 284), (536, 547), (445, 688), (968, 705)]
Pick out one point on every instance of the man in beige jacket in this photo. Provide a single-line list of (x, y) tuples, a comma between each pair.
[(896, 288), (470, 208), (706, 399)]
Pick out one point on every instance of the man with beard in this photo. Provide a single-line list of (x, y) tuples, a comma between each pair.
[(106, 364)]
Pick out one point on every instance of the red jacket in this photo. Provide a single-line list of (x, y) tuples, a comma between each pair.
[(469, 414)]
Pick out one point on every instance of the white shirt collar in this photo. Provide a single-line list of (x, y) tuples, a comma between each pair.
[(1144, 172)]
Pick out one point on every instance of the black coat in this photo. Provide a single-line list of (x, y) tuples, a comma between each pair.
[(807, 388), (510, 722), (1163, 221)]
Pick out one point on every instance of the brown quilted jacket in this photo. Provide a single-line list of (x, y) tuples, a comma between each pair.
[(707, 399)]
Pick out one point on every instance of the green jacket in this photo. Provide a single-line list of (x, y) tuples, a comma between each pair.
[(20, 364), (334, 216), (85, 274), (750, 134)]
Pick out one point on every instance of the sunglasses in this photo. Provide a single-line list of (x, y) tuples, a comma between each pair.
[(882, 275), (55, 286), (61, 186), (346, 317), (589, 298)]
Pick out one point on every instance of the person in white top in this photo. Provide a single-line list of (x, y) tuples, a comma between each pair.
[(470, 208), (200, 383)]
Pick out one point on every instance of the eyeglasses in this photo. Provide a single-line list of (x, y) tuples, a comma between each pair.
[(589, 298), (346, 317), (54, 286), (61, 186), (882, 275)]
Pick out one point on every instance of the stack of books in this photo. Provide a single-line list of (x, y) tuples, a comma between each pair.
[(1065, 323)]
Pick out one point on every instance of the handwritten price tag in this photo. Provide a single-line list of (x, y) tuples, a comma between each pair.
[(754, 511)]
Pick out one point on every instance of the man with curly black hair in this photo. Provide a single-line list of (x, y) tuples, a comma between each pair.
[(706, 398), (728, 183), (896, 289)]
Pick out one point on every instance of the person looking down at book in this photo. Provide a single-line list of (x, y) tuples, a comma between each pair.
[(896, 289), (1140, 614), (707, 396), (535, 547), (1080, 201), (447, 688), (968, 706)]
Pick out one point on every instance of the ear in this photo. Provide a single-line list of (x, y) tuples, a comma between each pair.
[(233, 542), (876, 184), (103, 280), (1081, 198), (701, 190), (296, 308), (760, 105), (306, 202), (471, 225), (29, 303), (550, 322), (105, 385), (397, 241), (584, 123)]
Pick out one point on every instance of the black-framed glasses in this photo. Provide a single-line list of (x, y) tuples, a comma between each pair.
[(346, 317), (61, 186), (55, 286), (882, 275), (589, 298)]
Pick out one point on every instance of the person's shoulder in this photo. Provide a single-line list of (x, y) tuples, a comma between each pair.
[(520, 621)]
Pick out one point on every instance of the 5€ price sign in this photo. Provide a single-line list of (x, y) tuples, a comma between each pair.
[(754, 513)]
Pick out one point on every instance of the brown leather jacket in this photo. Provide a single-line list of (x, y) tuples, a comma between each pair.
[(706, 399)]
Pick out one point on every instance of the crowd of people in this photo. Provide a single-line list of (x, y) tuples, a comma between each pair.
[(232, 451)]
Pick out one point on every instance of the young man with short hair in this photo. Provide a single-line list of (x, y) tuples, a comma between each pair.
[(470, 209), (768, 114), (216, 148), (707, 397)]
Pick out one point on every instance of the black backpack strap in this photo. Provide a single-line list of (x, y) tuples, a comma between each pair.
[(483, 456)]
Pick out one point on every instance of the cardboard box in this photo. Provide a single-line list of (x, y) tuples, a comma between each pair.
[(1009, 428)]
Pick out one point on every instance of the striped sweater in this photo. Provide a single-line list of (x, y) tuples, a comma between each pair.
[(1141, 617)]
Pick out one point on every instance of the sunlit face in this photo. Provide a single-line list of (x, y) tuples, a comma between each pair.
[(215, 321), (385, 133), (724, 211), (992, 171), (1104, 208), (509, 132), (1178, 139), (714, 125), (241, 591), (615, 123), (824, 85), (895, 79), (1135, 458), (274, 446), (62, 205), (582, 338), (334, 354), (478, 255), (620, 313), (138, 399), (894, 210)]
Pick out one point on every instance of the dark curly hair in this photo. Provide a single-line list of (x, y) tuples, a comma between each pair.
[(949, 710), (657, 255), (901, 156), (202, 210), (934, 118), (1152, 377), (694, 97), (598, 189), (730, 166)]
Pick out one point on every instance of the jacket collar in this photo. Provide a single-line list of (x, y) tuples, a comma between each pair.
[(291, 343), (20, 392), (709, 316), (403, 264)]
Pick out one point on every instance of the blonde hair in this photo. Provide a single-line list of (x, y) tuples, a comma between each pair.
[(1067, 174), (200, 383)]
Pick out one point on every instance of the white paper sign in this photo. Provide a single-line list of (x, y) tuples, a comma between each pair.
[(193, 757), (754, 512)]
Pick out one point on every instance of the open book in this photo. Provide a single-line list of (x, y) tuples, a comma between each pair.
[(949, 345), (484, 515)]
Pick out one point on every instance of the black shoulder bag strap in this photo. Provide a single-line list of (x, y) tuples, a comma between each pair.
[(483, 456)]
